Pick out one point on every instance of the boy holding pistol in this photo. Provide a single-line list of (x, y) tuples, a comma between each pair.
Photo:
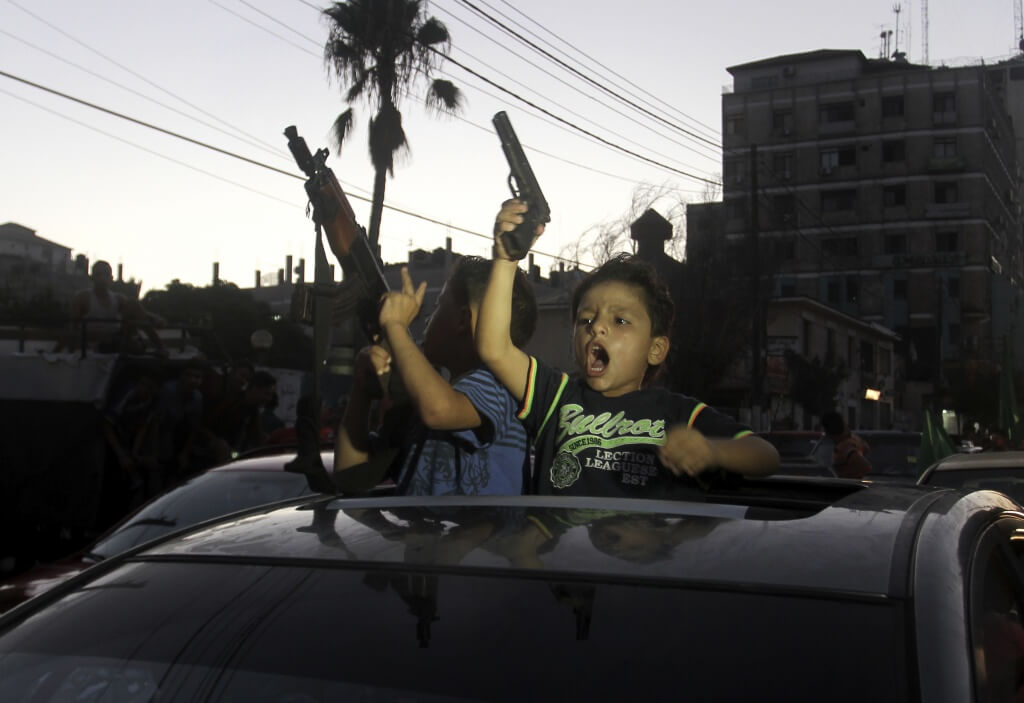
[(605, 431)]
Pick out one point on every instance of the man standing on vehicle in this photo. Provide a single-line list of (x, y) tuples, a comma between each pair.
[(848, 451)]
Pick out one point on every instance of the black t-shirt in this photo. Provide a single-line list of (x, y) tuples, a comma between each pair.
[(587, 444)]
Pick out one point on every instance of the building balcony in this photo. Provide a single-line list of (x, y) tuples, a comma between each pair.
[(946, 164), (833, 128), (947, 210)]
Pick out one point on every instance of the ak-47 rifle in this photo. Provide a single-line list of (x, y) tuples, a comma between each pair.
[(335, 219), (524, 186), (347, 239)]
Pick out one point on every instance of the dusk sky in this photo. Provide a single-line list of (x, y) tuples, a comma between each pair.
[(234, 73)]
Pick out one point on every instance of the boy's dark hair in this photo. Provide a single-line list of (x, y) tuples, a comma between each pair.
[(628, 269), (468, 281), (833, 423)]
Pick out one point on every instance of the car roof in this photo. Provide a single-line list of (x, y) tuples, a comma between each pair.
[(981, 460), (272, 462), (858, 544)]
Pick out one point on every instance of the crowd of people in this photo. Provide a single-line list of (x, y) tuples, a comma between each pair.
[(161, 430)]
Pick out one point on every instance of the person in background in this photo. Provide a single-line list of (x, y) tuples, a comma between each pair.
[(110, 318), (848, 460)]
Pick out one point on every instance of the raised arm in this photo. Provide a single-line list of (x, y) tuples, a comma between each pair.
[(440, 406), (509, 364)]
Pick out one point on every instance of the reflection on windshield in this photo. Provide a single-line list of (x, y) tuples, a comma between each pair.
[(440, 538), (204, 497)]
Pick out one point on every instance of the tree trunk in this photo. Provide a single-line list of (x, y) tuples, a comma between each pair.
[(377, 209)]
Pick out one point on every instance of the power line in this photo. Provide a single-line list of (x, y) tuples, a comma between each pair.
[(593, 137), (248, 160), (713, 130), (573, 125), (257, 144), (589, 96), (586, 78), (132, 72)]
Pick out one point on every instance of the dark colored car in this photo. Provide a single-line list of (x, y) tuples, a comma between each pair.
[(796, 452), (996, 471), (767, 590), (892, 454), (241, 484)]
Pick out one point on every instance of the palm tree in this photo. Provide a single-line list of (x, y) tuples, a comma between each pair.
[(378, 49)]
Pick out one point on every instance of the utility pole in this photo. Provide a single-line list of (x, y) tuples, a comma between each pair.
[(756, 306)]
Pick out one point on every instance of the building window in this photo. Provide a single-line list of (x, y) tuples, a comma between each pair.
[(884, 361), (832, 291), (899, 289), (836, 112), (946, 240), (892, 106), (835, 157), (764, 82), (736, 207), (954, 334), (839, 246), (852, 289), (946, 192), (944, 108), (953, 288), (894, 196), (784, 249), (782, 122), (782, 166), (867, 357), (944, 147), (787, 288), (838, 200), (734, 124), (785, 209), (895, 244), (735, 170), (894, 151)]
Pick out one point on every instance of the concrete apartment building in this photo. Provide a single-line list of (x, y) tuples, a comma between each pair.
[(887, 191)]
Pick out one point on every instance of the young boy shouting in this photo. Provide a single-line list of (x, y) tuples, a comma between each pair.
[(461, 436), (604, 431)]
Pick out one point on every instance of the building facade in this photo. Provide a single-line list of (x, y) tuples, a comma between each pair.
[(886, 190)]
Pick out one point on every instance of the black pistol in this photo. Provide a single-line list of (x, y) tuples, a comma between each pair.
[(524, 186)]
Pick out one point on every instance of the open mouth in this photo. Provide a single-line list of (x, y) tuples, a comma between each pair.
[(597, 360)]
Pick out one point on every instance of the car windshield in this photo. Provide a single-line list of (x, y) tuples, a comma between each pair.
[(173, 631), (1003, 480), (201, 498)]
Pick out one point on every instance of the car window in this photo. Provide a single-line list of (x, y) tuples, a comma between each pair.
[(173, 631), (201, 498), (997, 605)]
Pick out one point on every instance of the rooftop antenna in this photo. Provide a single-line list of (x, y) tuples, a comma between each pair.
[(896, 46), (924, 32)]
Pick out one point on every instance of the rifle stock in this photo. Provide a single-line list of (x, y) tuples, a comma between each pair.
[(524, 186)]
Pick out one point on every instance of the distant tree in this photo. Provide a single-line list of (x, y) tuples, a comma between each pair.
[(602, 241), (377, 49), (226, 317), (813, 383)]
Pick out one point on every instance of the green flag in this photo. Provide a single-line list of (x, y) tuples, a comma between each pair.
[(1008, 418), (935, 443)]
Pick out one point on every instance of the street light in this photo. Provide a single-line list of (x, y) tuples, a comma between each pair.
[(872, 394)]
